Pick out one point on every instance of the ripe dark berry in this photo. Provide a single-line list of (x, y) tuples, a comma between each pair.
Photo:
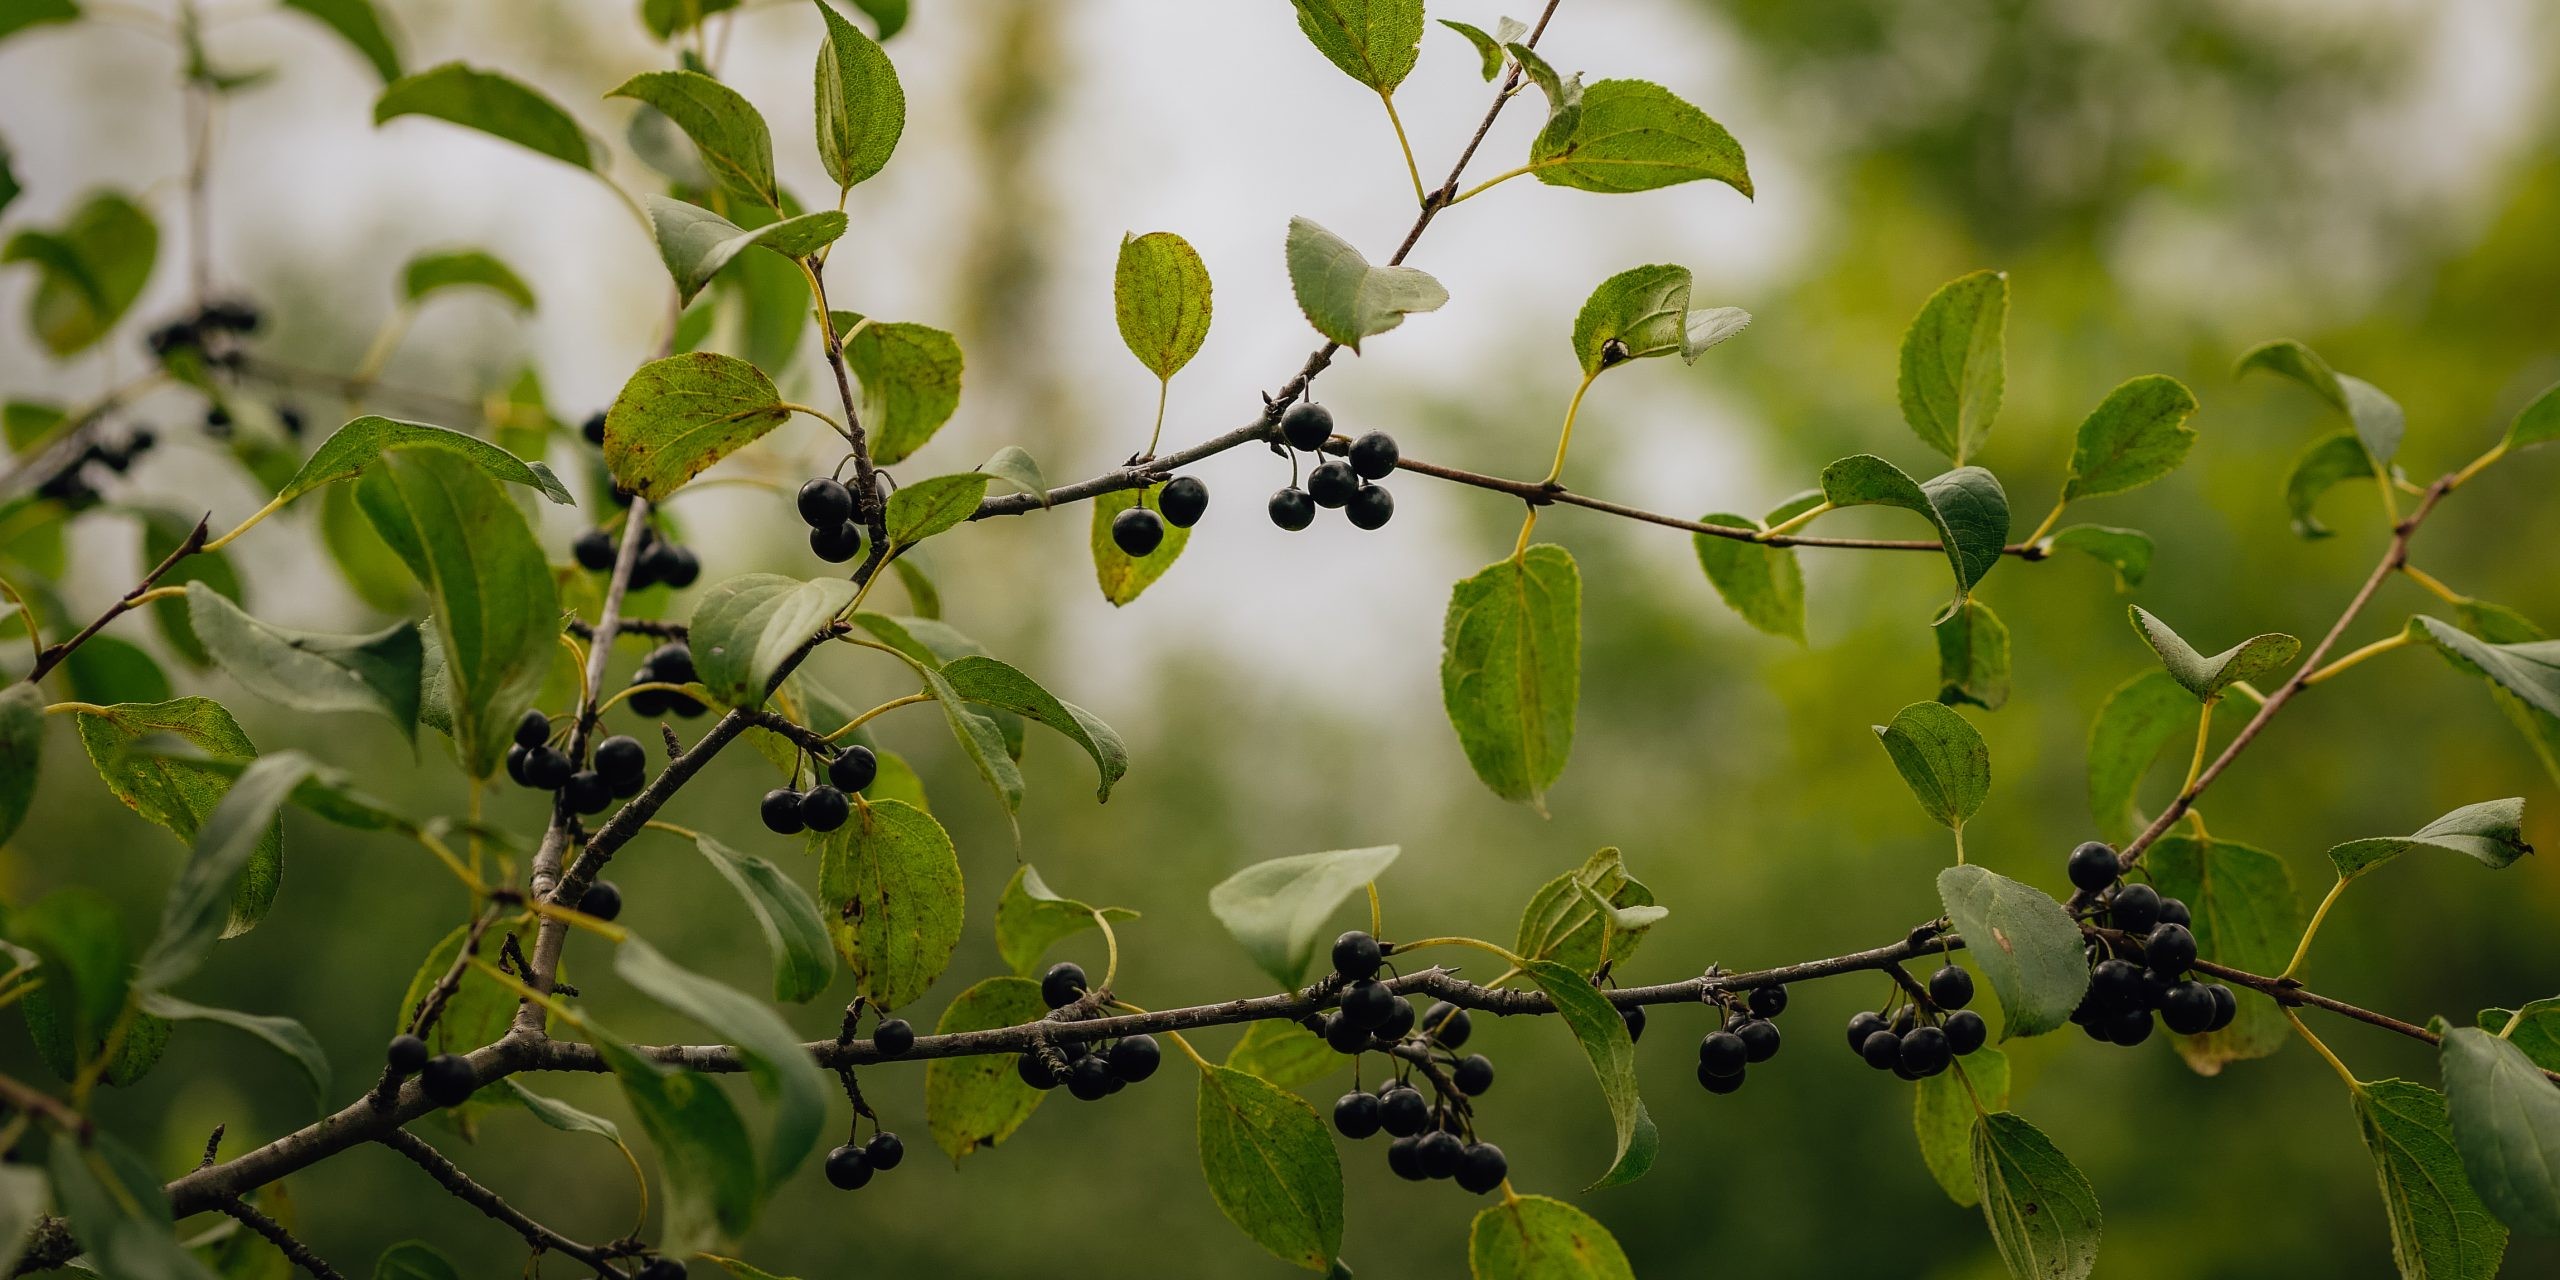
[(1882, 1050), (884, 1151), (1966, 1031), (825, 503), (1035, 1072), (1447, 1023), (1371, 507), (586, 792), (2092, 867), (1182, 501), (1403, 1158), (1473, 1075), (661, 1269), (1482, 1168), (2172, 911), (848, 1168), (853, 769), (1137, 531), (1440, 1153), (2225, 1006), (1399, 1022), (1356, 955), (1718, 1084), (1292, 509), (2188, 1008), (1904, 1019), (1090, 1079), (673, 565), (2135, 908), (448, 1079), (1367, 1004), (2116, 984), (1722, 1053), (1862, 1025), (1951, 987), (1306, 426), (1925, 1051), (673, 663), (533, 730), (893, 1037), (836, 543), (1633, 1016), (517, 755), (593, 428), (1403, 1112), (1759, 1038), (1768, 1001), (1374, 455), (622, 760), (594, 550), (1331, 484), (1062, 984), (2170, 950), (547, 768), (1134, 1058), (406, 1055), (603, 900), (781, 811), (1345, 1035), (2131, 1027), (823, 808), (1355, 1115)]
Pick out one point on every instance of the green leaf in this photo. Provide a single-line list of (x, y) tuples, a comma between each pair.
[(2491, 832), (1375, 42), (491, 103), (1563, 93), (464, 268), (710, 1184), (1344, 297), (284, 1035), (889, 16), (364, 441), (2252, 659), (679, 415), (2538, 1036), (28, 13), (1284, 1053), (86, 963), (2024, 943), (1634, 135), (2439, 1228), (1277, 909), (360, 25), (664, 18), (1973, 657), (2529, 671), (736, 1269), (990, 683), (2136, 435), (782, 1070), (745, 628), (861, 108), (1489, 44), (1942, 759), (1966, 505), (1563, 922), (164, 530), (1123, 576), (1018, 469), (1644, 312), (910, 376), (727, 130), (226, 847), (1603, 1035), (2321, 466), (1160, 291), (696, 243), (979, 1101), (88, 273), (1763, 584), (2538, 423), (2246, 916), (1511, 669), (118, 1212), (496, 610), (414, 1260), (930, 506), (2127, 551), (1539, 1238), (2139, 718), (980, 737), (803, 960), (2043, 1213), (2505, 1116), (2378, 419), (894, 899), (1031, 918), (1271, 1167), (1953, 364), (312, 671), (1943, 1112), (180, 795), (21, 746)]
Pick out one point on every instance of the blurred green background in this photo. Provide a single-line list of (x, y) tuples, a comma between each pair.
[(2166, 184)]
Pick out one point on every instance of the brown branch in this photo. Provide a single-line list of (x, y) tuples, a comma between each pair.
[(2291, 993), (451, 1177), (295, 1251), (654, 628), (54, 654)]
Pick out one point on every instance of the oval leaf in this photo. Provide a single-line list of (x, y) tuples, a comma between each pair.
[(1973, 656), (1375, 42), (989, 683), (1540, 1238), (311, 671), (1031, 918), (2136, 435), (1943, 1111), (1344, 297), (2245, 915), (1160, 290), (894, 897), (726, 129), (1511, 670), (746, 627), (1271, 1166), (679, 415), (2043, 1213), (979, 1101), (1121, 575), (910, 376), (1941, 758), (930, 506), (193, 917), (491, 103), (364, 441), (463, 269), (861, 108), (1278, 909), (182, 795), (2439, 1228), (1953, 363), (1634, 135), (1763, 584), (2491, 831), (2505, 1116), (2255, 658), (696, 243), (2024, 943)]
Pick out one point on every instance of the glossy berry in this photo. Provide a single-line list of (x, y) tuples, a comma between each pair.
[(848, 1169), (1182, 501), (621, 759), (1951, 987), (516, 758), (1331, 484), (1722, 1053), (2172, 911), (853, 769), (825, 503), (1474, 1074), (2170, 950), (2135, 908), (1062, 984), (448, 1079), (603, 900), (1371, 507), (823, 808), (884, 1151), (1904, 1019), (1447, 1023), (1355, 1115), (1345, 1035), (1882, 1050), (1440, 1153), (781, 811), (1768, 1001), (1356, 955), (533, 730), (1292, 509), (836, 543), (547, 768), (594, 550), (1926, 1051), (1481, 1168), (1633, 1016), (1862, 1025), (2131, 1027), (2116, 984), (1306, 426), (1137, 531), (894, 1036), (406, 1055), (1965, 1031), (586, 792), (661, 1269), (1374, 455), (1402, 1157), (2188, 1008), (1090, 1079), (1718, 1084), (1367, 1004), (673, 565), (1035, 1072), (1134, 1058), (593, 428), (2225, 1006), (1759, 1038), (1403, 1112), (2092, 866), (1398, 1022)]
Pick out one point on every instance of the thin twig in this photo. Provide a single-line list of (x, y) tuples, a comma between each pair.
[(54, 654), (451, 1177), (295, 1251)]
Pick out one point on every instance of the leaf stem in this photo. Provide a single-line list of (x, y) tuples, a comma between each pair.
[(273, 506), (2204, 736), (2479, 464), (2434, 587), (2051, 518), (1411, 169), (1111, 948), (1164, 388), (2353, 1085), (821, 415), (1564, 439), (2396, 640), (874, 713), (1488, 184), (1377, 912), (2302, 950), (659, 686), (1798, 521)]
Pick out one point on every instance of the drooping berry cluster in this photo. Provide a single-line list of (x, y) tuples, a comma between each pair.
[(2141, 967), (621, 767), (448, 1079), (1180, 503), (659, 560), (1749, 1035), (213, 334), (666, 664), (1924, 1037), (76, 486), (1431, 1137), (850, 1167), (1347, 484), (1090, 1069), (827, 507), (823, 807)]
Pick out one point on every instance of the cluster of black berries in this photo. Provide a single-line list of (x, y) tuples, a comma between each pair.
[(621, 767), (850, 1167), (1432, 1138), (826, 506), (658, 560), (825, 806), (1749, 1035), (213, 333), (2143, 970), (1345, 483), (1923, 1038), (448, 1079), (1091, 1071), (1180, 503), (73, 486), (667, 664), (1427, 1140)]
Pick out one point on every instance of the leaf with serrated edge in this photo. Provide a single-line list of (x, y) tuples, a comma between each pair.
[(2378, 419), (364, 441), (2530, 671), (861, 106), (1762, 584), (1375, 42), (930, 506), (1943, 1112), (1967, 506), (1973, 656), (1271, 1166), (1952, 363), (2136, 435), (1941, 757), (2043, 1213), (2252, 659), (1346, 298), (310, 671), (1562, 922), (2439, 1228), (910, 376), (679, 415), (1634, 135), (893, 896), (979, 1101), (2025, 944), (727, 130), (1160, 292), (182, 795), (744, 628), (1540, 1238), (1511, 670), (696, 243)]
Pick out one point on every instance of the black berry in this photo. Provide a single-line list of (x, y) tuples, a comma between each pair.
[(848, 1168), (2092, 867), (781, 811), (893, 1037), (406, 1055), (586, 792), (1473, 1075), (448, 1079), (1402, 1158), (1090, 1079), (1951, 987), (1371, 507), (836, 543), (2116, 984), (622, 760), (1447, 1023), (547, 768), (825, 503), (1137, 531), (1182, 501), (533, 730), (1633, 1015), (1718, 1084), (594, 550), (1759, 1038), (823, 808), (1292, 509), (1356, 955), (1862, 1025), (1306, 426), (1345, 1035), (1768, 1001), (516, 758), (1966, 1031), (2170, 950), (1134, 1058), (853, 769), (1926, 1051), (1882, 1050), (673, 565), (661, 1269), (1355, 1115), (1481, 1168), (1722, 1053), (1035, 1072), (1062, 984), (1403, 1112), (1367, 1004), (2130, 1027), (2188, 1008), (1331, 484), (593, 428), (601, 900), (1373, 455), (2135, 908), (884, 1151), (1440, 1153), (2173, 911), (1398, 1022)]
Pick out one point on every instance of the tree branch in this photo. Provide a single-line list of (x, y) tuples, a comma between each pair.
[(295, 1251), (451, 1177), (54, 654)]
